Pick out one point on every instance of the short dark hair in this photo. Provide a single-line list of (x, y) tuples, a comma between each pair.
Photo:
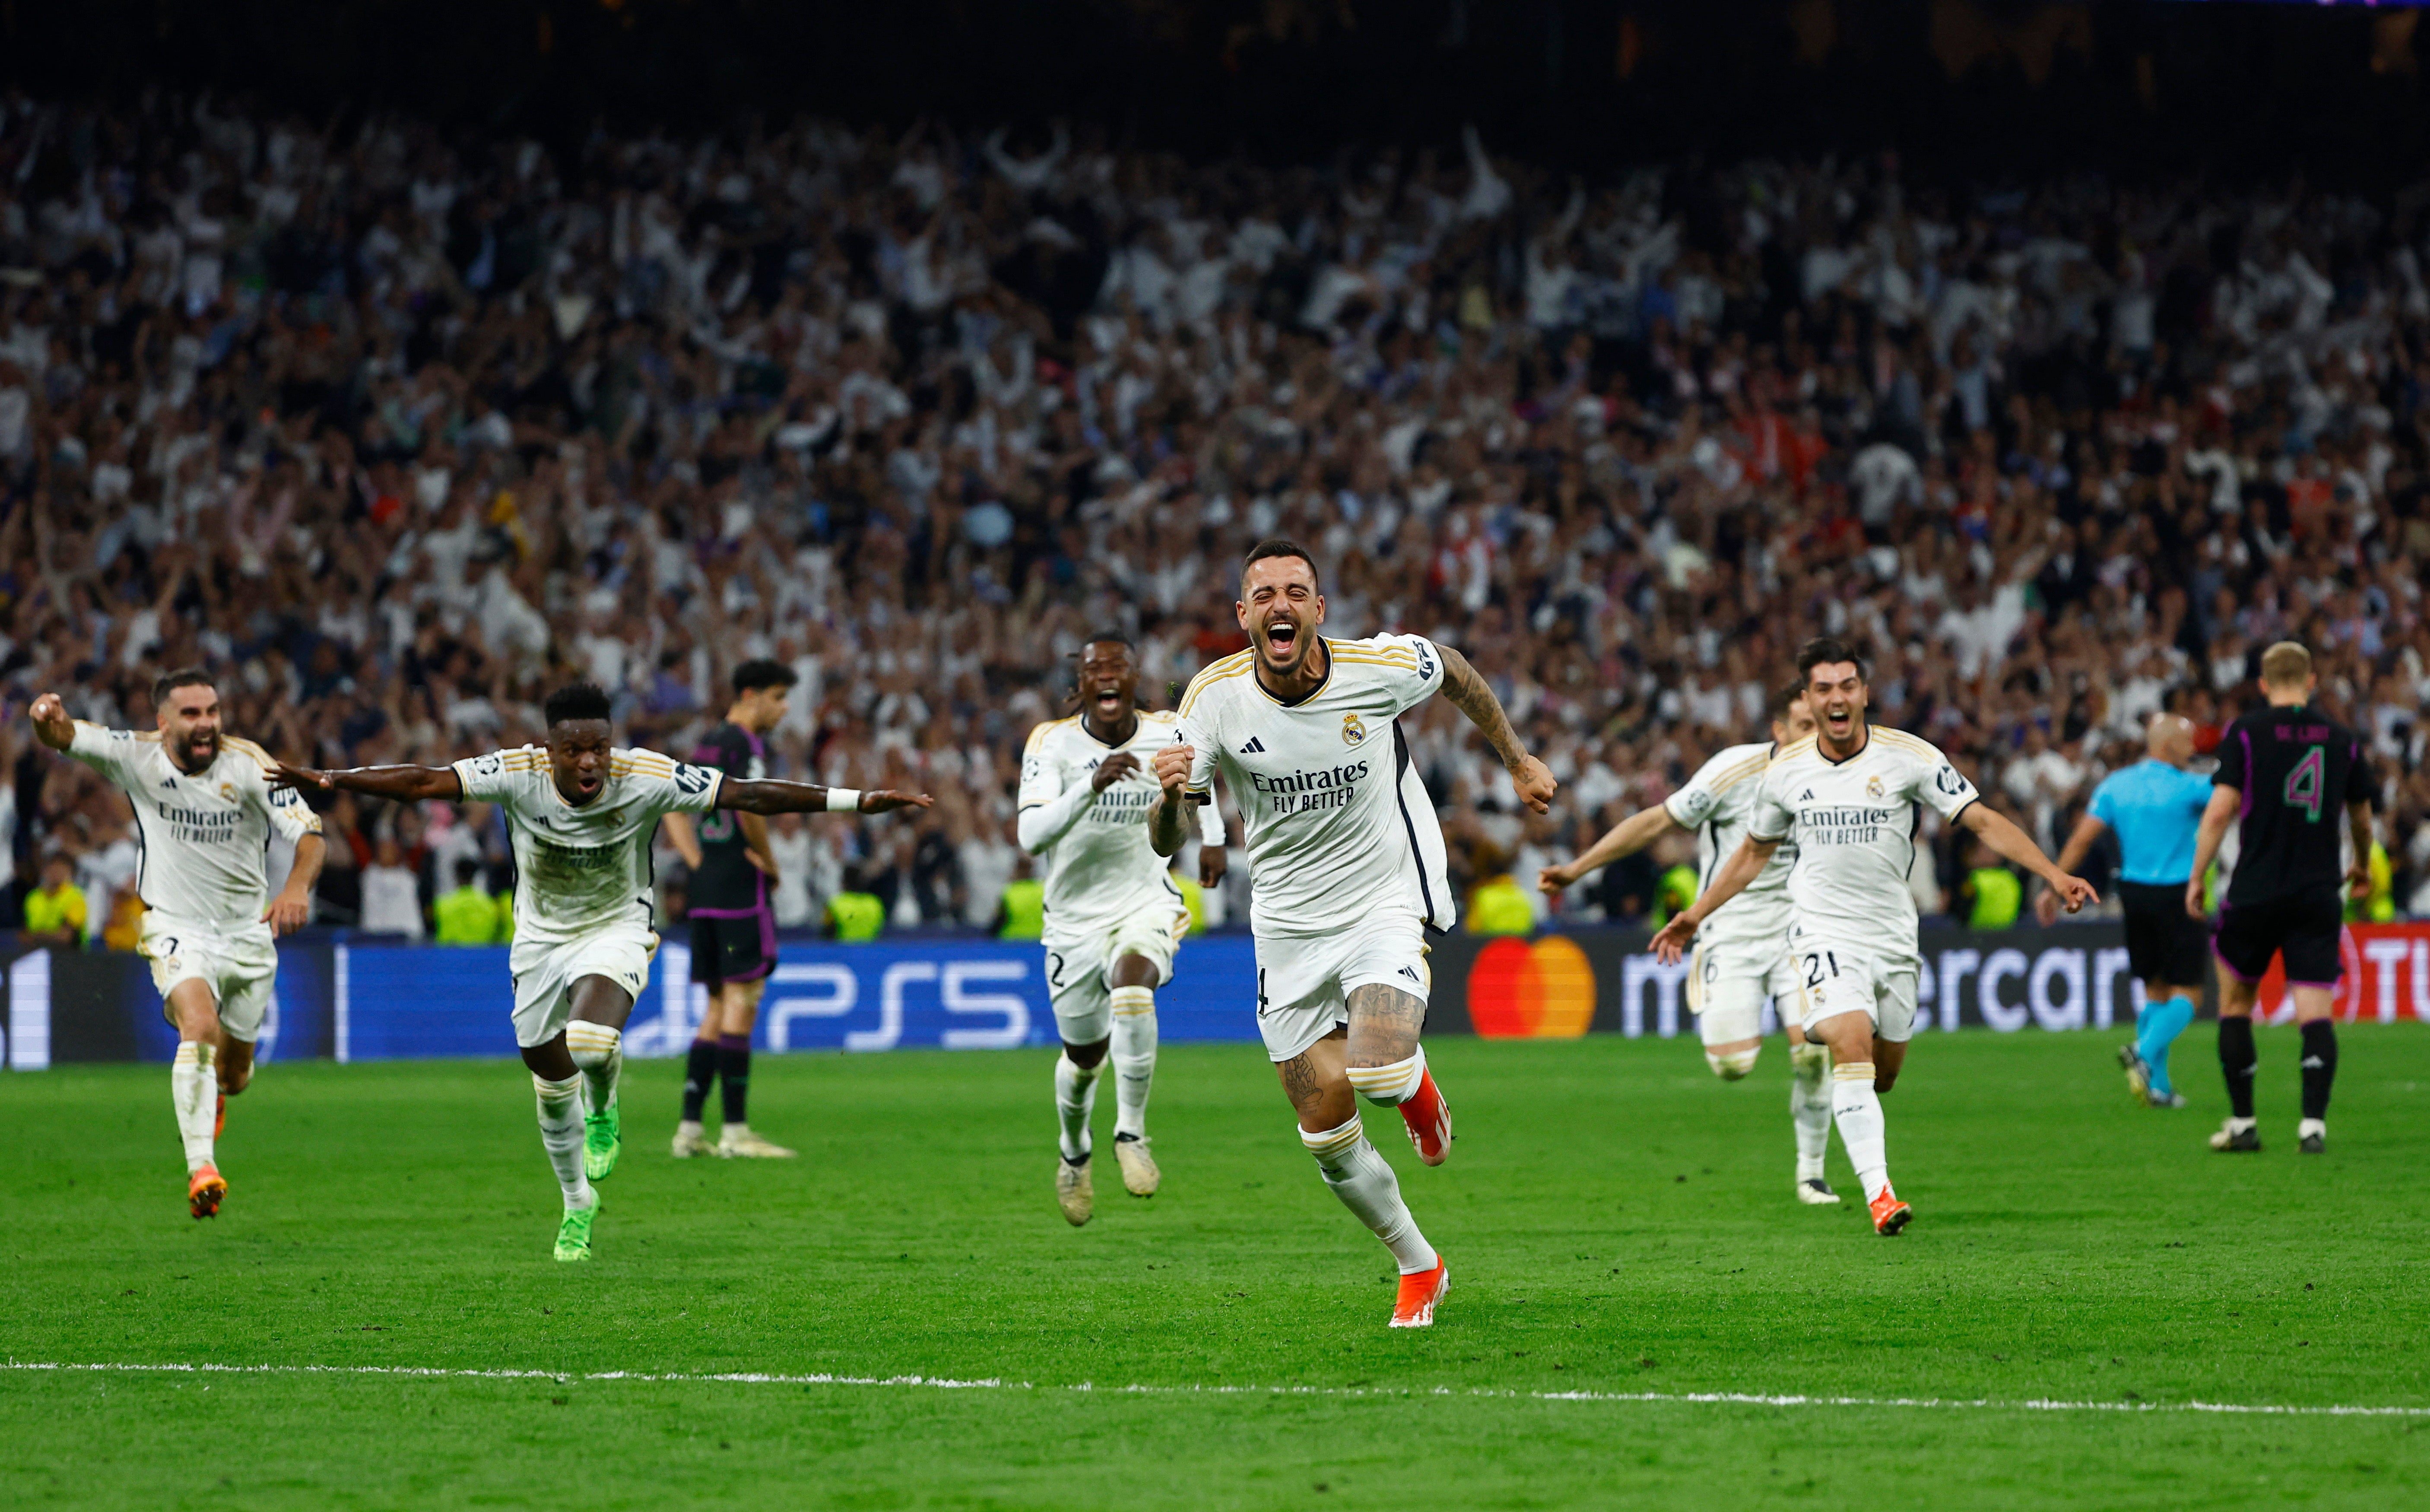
[(578, 701), (1823, 650), (169, 682), (761, 673), (1274, 546), (1108, 637), (1785, 697), (466, 869)]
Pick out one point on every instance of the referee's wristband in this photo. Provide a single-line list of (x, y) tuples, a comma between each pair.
[(843, 800)]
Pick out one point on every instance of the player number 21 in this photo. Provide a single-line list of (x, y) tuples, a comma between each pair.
[(1819, 965), (2303, 785)]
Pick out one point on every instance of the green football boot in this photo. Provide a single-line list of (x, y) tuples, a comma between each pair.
[(603, 1140), (573, 1232)]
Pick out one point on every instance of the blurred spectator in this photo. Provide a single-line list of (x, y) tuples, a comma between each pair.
[(55, 912), (466, 915), (392, 893)]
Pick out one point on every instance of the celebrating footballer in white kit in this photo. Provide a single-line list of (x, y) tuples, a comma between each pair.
[(1742, 960), (1851, 798), (582, 811), (1113, 915), (205, 809), (1345, 871)]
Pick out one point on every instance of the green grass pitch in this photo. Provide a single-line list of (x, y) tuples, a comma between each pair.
[(1616, 1222)]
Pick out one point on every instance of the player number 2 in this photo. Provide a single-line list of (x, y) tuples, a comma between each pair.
[(1819, 965), (2303, 785)]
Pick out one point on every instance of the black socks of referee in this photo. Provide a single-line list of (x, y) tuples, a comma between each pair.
[(700, 1069), (2320, 1066), (2239, 1062)]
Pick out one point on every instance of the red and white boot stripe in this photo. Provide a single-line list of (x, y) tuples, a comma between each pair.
[(1415, 1307), (1429, 1119)]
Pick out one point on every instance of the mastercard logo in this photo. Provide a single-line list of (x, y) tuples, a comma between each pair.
[(1544, 991)]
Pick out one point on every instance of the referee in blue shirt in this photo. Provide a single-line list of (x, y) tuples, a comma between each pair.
[(2155, 809)]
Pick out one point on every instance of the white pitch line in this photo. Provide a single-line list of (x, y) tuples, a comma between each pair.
[(937, 1383)]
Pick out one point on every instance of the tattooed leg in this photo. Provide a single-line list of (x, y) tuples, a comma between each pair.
[(1384, 1024), (1318, 1084)]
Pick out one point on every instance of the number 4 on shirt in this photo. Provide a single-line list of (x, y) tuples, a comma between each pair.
[(2303, 785)]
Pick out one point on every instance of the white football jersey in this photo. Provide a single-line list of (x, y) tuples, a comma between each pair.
[(1717, 803), (1854, 823), (579, 869), (204, 837), (1338, 822), (1102, 870)]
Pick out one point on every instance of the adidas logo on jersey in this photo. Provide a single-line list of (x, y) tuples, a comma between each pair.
[(1255, 747), (168, 782), (1806, 797), (1411, 973)]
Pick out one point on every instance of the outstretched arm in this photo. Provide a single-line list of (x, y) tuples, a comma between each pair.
[(52, 725), (1630, 836), (1745, 864), (405, 784), (2070, 856), (769, 796), (1997, 831), (1472, 695)]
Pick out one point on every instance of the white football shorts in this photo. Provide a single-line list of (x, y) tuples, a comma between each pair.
[(1304, 981), (1834, 977), (1080, 966), (545, 971), (1729, 984), (239, 966)]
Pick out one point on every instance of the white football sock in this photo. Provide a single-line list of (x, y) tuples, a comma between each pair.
[(1368, 1187), (193, 1091), (1075, 1096), (1392, 1085), (561, 1135), (1859, 1111), (1134, 1057), (598, 1053), (1809, 1106)]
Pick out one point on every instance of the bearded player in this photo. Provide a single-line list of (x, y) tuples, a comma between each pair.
[(205, 807), (581, 811), (1346, 872), (1113, 914), (1852, 797), (733, 925), (1742, 960)]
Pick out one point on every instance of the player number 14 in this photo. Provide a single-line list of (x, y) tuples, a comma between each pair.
[(2303, 785)]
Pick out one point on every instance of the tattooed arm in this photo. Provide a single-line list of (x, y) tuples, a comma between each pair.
[(1472, 695)]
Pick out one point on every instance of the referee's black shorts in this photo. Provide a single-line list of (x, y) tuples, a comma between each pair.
[(2163, 942), (2304, 925)]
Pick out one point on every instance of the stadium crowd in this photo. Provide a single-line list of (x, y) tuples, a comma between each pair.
[(395, 431)]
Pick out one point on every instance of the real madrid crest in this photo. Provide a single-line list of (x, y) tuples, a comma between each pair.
[(227, 790), (1873, 787), (1354, 729)]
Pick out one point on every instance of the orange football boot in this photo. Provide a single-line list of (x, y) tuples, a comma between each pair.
[(219, 1119), (205, 1190), (1429, 1119), (1890, 1214), (1415, 1307)]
